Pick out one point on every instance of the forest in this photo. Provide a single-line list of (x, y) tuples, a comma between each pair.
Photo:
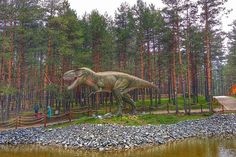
[(180, 48)]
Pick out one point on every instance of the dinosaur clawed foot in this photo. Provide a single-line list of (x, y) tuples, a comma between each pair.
[(91, 94), (119, 114), (133, 112)]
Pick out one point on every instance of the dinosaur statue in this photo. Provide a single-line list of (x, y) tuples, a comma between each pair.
[(118, 83)]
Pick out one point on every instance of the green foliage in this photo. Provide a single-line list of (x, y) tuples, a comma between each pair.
[(7, 90), (138, 120), (164, 101), (229, 68), (49, 34), (52, 88)]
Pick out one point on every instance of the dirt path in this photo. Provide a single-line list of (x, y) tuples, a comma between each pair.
[(229, 103), (181, 111)]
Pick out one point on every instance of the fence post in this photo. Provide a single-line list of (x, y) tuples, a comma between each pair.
[(16, 121), (19, 121), (69, 114), (45, 120), (151, 101), (88, 109), (222, 108), (168, 110), (201, 108)]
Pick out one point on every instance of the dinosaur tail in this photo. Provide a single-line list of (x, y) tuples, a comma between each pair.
[(145, 84)]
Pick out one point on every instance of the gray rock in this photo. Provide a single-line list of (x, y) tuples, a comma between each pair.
[(104, 137)]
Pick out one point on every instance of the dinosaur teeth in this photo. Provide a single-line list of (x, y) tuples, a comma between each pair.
[(68, 78), (74, 84)]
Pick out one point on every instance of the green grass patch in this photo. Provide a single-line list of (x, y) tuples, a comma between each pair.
[(153, 119), (164, 101), (234, 96)]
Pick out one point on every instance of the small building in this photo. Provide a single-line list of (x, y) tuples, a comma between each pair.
[(233, 90)]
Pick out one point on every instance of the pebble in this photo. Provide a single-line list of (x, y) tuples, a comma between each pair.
[(106, 136)]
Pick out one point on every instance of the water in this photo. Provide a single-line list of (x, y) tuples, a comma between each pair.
[(211, 147)]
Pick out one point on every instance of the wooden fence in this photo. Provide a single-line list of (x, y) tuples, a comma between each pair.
[(41, 119)]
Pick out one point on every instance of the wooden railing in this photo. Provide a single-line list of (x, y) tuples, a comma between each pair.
[(41, 119)]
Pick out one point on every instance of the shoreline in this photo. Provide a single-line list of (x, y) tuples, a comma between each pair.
[(107, 137)]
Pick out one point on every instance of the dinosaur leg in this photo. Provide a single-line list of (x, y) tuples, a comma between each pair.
[(127, 98), (120, 85), (95, 90), (118, 98)]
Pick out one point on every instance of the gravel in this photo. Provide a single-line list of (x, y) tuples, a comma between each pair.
[(106, 137)]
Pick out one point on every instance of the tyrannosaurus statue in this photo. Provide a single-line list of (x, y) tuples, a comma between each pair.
[(109, 81)]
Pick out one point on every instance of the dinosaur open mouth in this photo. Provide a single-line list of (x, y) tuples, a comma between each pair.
[(69, 80), (66, 78), (72, 79), (73, 84)]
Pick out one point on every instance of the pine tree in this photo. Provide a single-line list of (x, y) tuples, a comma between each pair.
[(97, 28)]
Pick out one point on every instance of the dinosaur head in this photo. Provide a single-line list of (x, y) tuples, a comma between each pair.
[(78, 76)]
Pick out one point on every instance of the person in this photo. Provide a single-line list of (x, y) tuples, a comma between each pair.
[(36, 110), (49, 112)]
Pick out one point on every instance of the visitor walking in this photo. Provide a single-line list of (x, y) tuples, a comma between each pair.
[(36, 110), (49, 112)]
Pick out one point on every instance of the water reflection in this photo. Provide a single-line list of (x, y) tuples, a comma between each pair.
[(213, 147)]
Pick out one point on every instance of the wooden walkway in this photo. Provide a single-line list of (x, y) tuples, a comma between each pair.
[(229, 103)]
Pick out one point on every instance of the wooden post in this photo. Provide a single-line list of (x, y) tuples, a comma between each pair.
[(143, 99), (111, 102), (156, 104), (19, 121), (88, 110), (168, 111), (45, 120), (201, 108), (151, 101), (97, 101), (16, 122), (69, 114), (222, 108)]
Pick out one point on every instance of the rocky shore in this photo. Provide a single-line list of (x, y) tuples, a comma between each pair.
[(106, 137)]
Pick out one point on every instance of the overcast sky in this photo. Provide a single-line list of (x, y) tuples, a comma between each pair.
[(109, 6)]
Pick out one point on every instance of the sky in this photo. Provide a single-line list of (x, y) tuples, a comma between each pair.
[(110, 6)]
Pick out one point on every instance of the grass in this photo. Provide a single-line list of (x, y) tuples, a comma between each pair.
[(137, 120), (180, 101), (234, 96), (143, 119), (164, 106), (161, 107)]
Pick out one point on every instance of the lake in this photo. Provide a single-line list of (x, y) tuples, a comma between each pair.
[(203, 147)]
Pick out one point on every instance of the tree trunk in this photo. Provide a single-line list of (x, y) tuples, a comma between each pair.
[(174, 76), (182, 80), (149, 59), (10, 62), (142, 61), (208, 58), (20, 72), (2, 71), (159, 74)]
